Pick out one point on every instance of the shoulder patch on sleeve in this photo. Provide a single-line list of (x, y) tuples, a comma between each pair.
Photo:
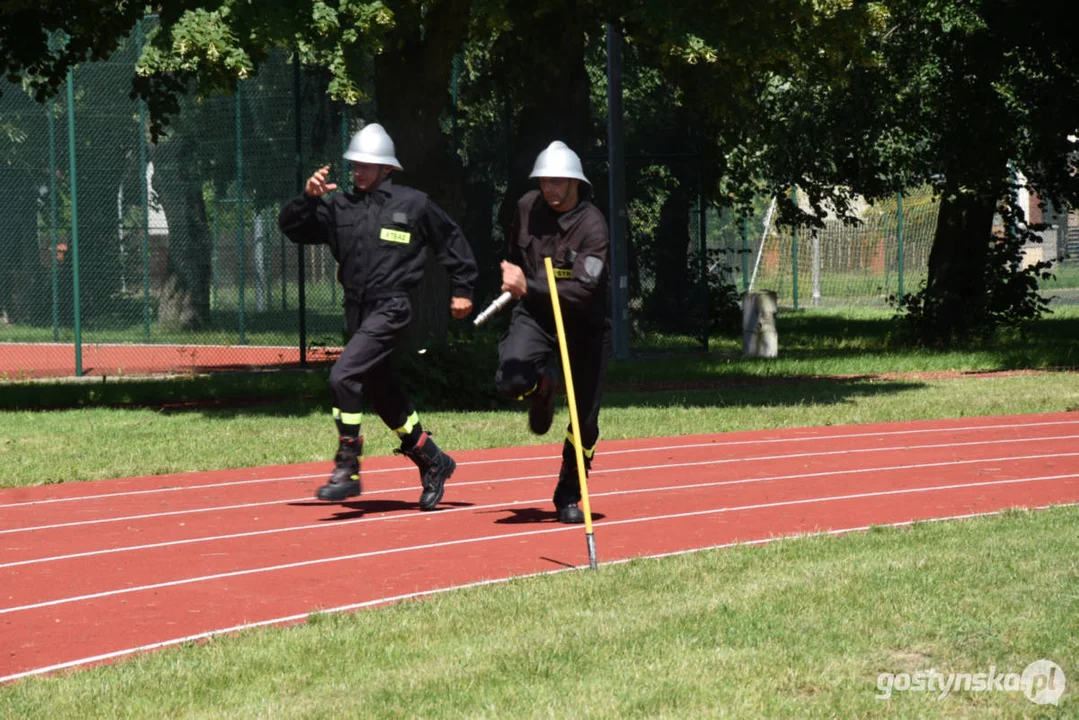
[(593, 266)]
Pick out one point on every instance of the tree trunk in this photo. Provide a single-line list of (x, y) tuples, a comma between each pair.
[(479, 226), (956, 292), (184, 301), (422, 63), (555, 105), (99, 243), (672, 301), (106, 140), (23, 294)]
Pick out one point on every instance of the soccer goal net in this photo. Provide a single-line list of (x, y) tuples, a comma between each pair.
[(841, 264)]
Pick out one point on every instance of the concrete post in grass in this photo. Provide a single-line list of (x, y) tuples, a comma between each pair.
[(759, 335)]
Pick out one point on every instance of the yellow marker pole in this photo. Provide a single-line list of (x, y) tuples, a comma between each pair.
[(577, 447)]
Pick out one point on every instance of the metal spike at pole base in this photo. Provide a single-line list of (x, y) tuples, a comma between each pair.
[(591, 550)]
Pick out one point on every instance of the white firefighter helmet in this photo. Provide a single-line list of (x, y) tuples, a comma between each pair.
[(372, 145), (558, 161)]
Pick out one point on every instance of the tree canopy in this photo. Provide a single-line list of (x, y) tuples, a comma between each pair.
[(834, 96), (959, 95)]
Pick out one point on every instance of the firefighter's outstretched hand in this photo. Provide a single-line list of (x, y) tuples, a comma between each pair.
[(461, 307), (513, 280), (316, 184)]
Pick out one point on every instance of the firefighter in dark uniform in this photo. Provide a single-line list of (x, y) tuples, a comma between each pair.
[(379, 234), (557, 222)]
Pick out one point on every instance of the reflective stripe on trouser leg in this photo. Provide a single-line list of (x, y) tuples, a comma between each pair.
[(525, 394), (588, 452), (410, 422), (347, 418), (348, 424)]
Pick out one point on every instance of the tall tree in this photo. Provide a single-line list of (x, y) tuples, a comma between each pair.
[(832, 95), (956, 94)]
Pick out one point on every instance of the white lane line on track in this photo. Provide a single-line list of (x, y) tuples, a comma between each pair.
[(607, 471), (514, 535), (215, 508), (481, 583), (607, 453), (694, 486), (507, 503)]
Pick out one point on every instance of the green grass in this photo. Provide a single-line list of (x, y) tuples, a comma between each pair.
[(844, 288), (856, 341), (799, 628), (95, 443), (791, 629), (324, 321), (834, 369), (1065, 275)]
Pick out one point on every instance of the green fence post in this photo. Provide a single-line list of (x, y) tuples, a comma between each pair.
[(455, 74), (745, 255), (284, 263), (76, 297), (213, 254), (899, 239), (346, 185), (617, 255), (301, 287), (794, 250), (702, 258), (50, 109), (240, 211), (259, 218), (145, 198)]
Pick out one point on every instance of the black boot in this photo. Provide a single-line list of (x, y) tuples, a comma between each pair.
[(568, 492), (541, 411), (345, 478), (435, 469)]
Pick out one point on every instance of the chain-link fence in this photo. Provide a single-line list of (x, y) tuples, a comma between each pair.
[(119, 255), (872, 262), (113, 239), (180, 264), (867, 263)]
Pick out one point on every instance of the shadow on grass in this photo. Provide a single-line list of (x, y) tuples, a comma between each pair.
[(1052, 341), (257, 401), (739, 391), (752, 392), (460, 376)]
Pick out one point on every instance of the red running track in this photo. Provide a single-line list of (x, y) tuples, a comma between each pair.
[(91, 572), (37, 360)]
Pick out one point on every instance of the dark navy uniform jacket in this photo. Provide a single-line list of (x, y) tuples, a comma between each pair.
[(577, 243), (380, 239)]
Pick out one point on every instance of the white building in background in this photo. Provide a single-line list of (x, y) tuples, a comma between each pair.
[(1054, 244), (158, 224)]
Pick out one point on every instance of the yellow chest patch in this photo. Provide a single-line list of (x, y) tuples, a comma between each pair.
[(396, 236), (563, 273)]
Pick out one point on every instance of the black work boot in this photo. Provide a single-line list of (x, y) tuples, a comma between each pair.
[(345, 478), (435, 469), (568, 492), (541, 412)]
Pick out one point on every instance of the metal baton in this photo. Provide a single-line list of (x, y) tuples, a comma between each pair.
[(500, 302)]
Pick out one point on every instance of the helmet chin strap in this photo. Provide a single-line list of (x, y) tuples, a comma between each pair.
[(568, 199), (384, 172)]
